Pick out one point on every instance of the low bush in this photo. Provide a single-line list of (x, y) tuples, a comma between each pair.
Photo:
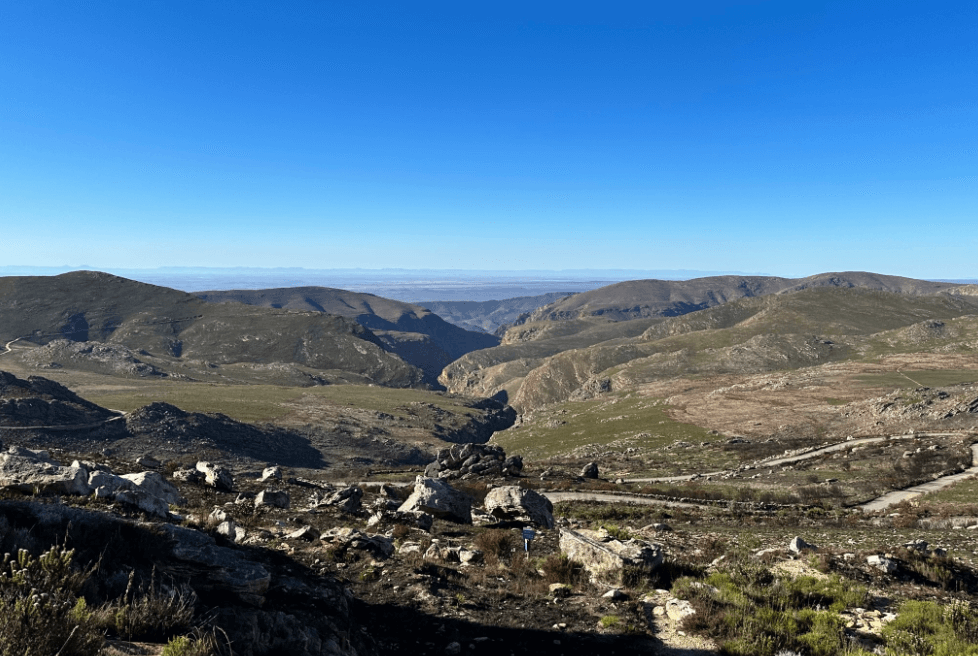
[(40, 611), (926, 628), (496, 544), (151, 613)]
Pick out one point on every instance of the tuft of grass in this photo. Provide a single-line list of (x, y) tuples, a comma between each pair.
[(496, 544)]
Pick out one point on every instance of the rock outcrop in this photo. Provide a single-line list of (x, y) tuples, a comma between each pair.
[(472, 460), (439, 499), (514, 503), (607, 558)]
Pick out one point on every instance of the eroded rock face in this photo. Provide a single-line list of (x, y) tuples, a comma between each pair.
[(439, 499), (514, 503), (607, 558)]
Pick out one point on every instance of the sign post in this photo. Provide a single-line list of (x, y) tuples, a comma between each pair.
[(528, 534)]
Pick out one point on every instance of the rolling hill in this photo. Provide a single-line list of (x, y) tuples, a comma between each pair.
[(110, 324)]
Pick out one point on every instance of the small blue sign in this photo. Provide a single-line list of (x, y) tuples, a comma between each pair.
[(529, 534)]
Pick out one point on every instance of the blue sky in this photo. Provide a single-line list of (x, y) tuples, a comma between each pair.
[(782, 137)]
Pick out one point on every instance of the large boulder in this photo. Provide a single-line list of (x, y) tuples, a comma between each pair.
[(153, 483), (514, 503), (31, 471), (342, 539), (439, 499), (273, 498), (590, 470), (606, 558)]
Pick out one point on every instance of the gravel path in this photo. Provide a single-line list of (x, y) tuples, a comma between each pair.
[(897, 496)]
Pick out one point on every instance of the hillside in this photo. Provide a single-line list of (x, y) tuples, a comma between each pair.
[(665, 298), (108, 324), (750, 335), (417, 335)]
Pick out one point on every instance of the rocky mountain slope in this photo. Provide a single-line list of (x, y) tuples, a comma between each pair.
[(137, 329), (778, 331), (417, 335)]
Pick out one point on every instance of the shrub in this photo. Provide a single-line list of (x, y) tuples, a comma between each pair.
[(203, 644), (558, 568), (153, 613), (924, 627), (496, 544), (40, 612)]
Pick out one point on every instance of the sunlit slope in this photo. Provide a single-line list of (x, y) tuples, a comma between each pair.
[(176, 330)]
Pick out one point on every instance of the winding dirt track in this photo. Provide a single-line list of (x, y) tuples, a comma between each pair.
[(879, 503)]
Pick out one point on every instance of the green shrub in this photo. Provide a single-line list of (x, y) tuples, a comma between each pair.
[(40, 612), (925, 628), (201, 645)]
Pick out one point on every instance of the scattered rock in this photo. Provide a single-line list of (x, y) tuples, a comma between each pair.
[(607, 558), (271, 473), (882, 563), (348, 499), (590, 470)]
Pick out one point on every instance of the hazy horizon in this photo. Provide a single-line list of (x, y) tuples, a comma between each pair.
[(789, 138)]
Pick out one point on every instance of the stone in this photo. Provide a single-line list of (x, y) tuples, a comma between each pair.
[(273, 498), (216, 476), (590, 470), (514, 503), (472, 459), (387, 518), (679, 609), (345, 538), (271, 473), (615, 595), (798, 545), (230, 529), (305, 533), (607, 558), (882, 563), (348, 499), (188, 476), (31, 471), (149, 462), (439, 499), (153, 483)]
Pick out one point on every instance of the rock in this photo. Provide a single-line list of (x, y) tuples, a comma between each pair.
[(149, 462), (31, 471), (476, 459), (439, 499), (386, 518), (453, 649), (305, 533), (607, 559), (273, 498), (345, 538), (798, 546), (220, 569), (153, 483), (882, 563), (230, 529), (615, 595), (513, 466), (442, 554), (347, 499), (271, 473), (920, 546), (514, 503), (590, 470), (679, 609), (217, 477), (188, 476), (146, 502), (470, 555)]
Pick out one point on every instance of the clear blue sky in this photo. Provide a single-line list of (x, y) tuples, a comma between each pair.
[(785, 137)]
